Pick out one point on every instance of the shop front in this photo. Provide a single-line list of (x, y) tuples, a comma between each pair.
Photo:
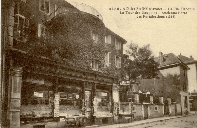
[(103, 105), (36, 100), (51, 93)]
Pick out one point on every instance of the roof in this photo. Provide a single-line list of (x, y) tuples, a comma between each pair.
[(187, 60), (88, 9), (169, 60), (108, 31)]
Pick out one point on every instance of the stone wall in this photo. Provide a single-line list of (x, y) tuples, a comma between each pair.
[(138, 112), (156, 110)]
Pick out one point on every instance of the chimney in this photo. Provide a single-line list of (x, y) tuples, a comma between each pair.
[(191, 57), (160, 58)]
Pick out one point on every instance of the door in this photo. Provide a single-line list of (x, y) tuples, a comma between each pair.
[(145, 111)]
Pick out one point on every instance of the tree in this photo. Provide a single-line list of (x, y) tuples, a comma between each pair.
[(141, 64)]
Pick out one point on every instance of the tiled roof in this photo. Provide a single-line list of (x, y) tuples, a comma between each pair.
[(186, 59), (168, 59)]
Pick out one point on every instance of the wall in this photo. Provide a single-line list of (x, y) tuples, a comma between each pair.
[(173, 107), (138, 112), (154, 113), (172, 71), (192, 77)]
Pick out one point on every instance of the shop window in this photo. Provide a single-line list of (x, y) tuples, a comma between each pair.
[(44, 6), (108, 58), (70, 96), (94, 65), (118, 61), (21, 25), (108, 39), (117, 44), (102, 98)]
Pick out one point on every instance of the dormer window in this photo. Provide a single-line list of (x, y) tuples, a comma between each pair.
[(44, 6), (117, 44)]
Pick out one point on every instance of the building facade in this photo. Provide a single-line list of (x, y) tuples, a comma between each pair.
[(192, 78), (171, 83), (58, 62)]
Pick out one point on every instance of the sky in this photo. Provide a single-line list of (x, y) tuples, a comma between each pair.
[(176, 35)]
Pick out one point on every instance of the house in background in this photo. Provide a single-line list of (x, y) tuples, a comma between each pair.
[(192, 77), (171, 83)]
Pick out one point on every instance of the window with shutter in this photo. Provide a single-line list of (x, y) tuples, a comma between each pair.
[(42, 31), (108, 58), (94, 65), (94, 37), (108, 39), (21, 25), (117, 44), (118, 62)]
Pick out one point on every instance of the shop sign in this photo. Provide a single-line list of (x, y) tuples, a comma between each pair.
[(38, 94), (103, 94)]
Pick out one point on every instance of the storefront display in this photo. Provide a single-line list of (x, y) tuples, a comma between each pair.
[(36, 101), (70, 103), (102, 104)]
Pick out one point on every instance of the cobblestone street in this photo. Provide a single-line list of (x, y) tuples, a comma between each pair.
[(184, 122)]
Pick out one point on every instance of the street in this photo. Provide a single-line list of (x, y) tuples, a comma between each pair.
[(184, 122)]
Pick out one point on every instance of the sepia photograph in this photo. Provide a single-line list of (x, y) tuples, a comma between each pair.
[(105, 64)]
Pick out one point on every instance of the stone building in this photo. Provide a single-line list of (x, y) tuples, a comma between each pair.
[(59, 61)]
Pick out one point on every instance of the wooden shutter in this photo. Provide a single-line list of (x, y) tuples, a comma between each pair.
[(116, 44), (96, 65), (105, 58), (115, 62), (119, 62), (109, 39), (109, 58), (91, 64), (39, 30)]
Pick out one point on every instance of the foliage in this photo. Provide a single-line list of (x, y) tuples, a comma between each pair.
[(67, 37), (142, 63), (73, 39)]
